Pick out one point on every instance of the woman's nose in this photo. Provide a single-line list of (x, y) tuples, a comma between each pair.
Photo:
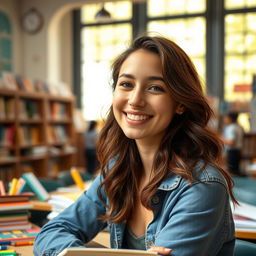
[(136, 98)]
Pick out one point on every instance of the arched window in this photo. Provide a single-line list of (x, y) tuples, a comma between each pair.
[(5, 43)]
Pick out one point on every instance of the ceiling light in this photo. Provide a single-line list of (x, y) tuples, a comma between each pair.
[(103, 15)]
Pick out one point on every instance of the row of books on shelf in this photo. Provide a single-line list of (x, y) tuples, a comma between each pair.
[(7, 106), (58, 111), (18, 82), (7, 135), (29, 109), (57, 134), (30, 135), (7, 155)]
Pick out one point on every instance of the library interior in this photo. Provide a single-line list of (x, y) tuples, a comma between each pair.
[(55, 93)]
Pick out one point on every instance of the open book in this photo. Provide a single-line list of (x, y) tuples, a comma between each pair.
[(103, 252)]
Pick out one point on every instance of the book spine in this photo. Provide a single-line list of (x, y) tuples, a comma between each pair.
[(36, 186)]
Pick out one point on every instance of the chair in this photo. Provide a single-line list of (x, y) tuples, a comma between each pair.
[(245, 248), (245, 190)]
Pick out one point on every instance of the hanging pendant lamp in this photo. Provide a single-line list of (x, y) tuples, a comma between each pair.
[(103, 15)]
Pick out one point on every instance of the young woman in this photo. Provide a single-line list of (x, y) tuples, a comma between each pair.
[(161, 187)]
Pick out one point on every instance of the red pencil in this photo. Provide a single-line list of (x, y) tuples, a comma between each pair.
[(22, 243)]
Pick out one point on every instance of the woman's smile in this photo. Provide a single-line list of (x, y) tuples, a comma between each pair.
[(134, 118)]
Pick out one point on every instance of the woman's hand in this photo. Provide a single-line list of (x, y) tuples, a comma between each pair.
[(160, 250)]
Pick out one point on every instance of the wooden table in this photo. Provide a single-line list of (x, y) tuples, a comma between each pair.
[(23, 250), (246, 234)]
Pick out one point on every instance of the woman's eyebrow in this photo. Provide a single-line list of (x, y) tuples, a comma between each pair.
[(154, 78), (150, 78), (127, 76)]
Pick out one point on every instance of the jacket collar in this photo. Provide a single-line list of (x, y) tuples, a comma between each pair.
[(170, 182)]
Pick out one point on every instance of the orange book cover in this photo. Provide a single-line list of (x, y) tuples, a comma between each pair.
[(15, 206)]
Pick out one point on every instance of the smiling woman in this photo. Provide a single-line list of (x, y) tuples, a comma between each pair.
[(161, 187)]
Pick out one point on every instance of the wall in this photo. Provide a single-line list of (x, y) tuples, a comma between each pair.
[(48, 54)]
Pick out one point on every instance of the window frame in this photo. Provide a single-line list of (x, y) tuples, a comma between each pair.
[(215, 40)]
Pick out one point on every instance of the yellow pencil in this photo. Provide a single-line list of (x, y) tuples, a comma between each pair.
[(13, 187), (77, 178)]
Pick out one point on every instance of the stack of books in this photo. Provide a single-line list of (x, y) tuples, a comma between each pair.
[(61, 201), (244, 217), (67, 196), (14, 214)]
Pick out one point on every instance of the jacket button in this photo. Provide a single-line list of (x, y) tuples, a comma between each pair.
[(155, 200)]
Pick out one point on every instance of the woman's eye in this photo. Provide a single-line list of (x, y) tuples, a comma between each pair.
[(125, 84), (156, 88)]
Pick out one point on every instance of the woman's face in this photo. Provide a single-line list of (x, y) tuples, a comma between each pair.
[(142, 103)]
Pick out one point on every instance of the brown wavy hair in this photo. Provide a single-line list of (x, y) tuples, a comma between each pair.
[(187, 141)]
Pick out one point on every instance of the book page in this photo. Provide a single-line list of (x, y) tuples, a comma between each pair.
[(103, 252)]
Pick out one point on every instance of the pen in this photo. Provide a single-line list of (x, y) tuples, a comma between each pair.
[(21, 243), (77, 178), (3, 247), (5, 242)]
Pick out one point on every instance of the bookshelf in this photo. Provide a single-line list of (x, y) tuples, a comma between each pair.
[(248, 149), (36, 133)]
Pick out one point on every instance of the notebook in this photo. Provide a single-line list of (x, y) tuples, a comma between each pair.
[(104, 252)]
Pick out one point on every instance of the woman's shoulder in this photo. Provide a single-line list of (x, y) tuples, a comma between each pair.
[(208, 173), (201, 174)]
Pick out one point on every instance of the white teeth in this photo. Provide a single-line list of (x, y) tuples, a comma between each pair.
[(137, 117)]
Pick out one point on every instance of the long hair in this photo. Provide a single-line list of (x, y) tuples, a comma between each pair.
[(186, 142)]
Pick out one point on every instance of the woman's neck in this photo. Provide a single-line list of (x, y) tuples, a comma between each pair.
[(147, 154)]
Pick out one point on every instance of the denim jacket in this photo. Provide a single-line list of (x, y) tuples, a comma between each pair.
[(192, 219)]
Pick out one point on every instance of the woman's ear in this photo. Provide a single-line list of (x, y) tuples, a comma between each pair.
[(180, 109)]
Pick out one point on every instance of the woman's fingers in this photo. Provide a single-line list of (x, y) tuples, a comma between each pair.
[(160, 250)]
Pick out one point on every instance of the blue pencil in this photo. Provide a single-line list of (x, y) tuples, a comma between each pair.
[(5, 242)]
